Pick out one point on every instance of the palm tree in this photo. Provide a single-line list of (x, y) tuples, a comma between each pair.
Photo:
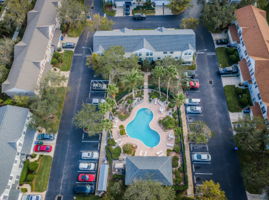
[(158, 72), (107, 125), (132, 80), (179, 99), (105, 107), (112, 91), (170, 73)]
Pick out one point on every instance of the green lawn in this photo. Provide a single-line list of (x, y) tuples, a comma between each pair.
[(222, 57), (67, 60), (235, 100), (40, 182)]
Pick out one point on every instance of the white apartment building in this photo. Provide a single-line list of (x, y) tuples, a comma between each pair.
[(252, 41), (149, 44)]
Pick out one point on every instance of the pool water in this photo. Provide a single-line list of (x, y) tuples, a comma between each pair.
[(139, 128)]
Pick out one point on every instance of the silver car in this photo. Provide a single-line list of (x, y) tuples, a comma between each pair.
[(90, 155), (87, 166), (192, 102), (201, 157), (194, 109)]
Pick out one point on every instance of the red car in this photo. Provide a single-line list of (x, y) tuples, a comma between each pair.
[(194, 84), (86, 177), (42, 148)]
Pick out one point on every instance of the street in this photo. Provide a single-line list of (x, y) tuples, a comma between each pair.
[(225, 167)]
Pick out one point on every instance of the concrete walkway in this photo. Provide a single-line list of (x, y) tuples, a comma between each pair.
[(146, 92), (190, 191)]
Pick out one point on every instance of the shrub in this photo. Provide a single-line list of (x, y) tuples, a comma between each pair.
[(177, 140), (168, 122), (244, 100), (178, 131), (239, 91), (24, 172), (33, 166), (24, 190), (233, 58), (122, 132), (116, 153), (33, 155), (230, 51), (128, 149), (111, 142), (175, 162), (177, 148), (168, 151), (30, 177)]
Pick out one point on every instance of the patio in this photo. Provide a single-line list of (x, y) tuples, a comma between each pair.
[(159, 110)]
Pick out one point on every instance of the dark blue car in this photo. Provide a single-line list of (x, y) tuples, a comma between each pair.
[(83, 189), (45, 136)]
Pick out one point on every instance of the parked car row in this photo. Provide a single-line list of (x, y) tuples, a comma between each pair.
[(39, 143), (193, 106), (88, 165), (31, 197)]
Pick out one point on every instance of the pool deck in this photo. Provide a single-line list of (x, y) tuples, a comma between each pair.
[(142, 149)]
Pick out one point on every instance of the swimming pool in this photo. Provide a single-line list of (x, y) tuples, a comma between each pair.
[(139, 128)]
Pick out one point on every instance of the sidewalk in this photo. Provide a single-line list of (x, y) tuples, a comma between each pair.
[(190, 191)]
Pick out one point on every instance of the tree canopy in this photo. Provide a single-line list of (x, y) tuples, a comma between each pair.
[(178, 6), (71, 13), (189, 23), (218, 15), (89, 119), (100, 23), (210, 190), (199, 132), (47, 106), (148, 190), (251, 138), (112, 64)]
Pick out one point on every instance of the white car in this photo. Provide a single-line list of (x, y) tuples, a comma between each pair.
[(87, 166), (31, 197), (201, 157), (90, 155), (192, 102), (194, 109)]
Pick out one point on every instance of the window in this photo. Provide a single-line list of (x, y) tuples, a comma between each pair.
[(259, 96), (176, 57), (171, 52), (164, 52), (147, 54), (263, 110), (139, 54), (150, 53), (158, 58), (246, 52)]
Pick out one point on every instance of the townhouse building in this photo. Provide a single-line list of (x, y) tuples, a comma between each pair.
[(250, 33), (33, 53), (149, 44), (16, 141)]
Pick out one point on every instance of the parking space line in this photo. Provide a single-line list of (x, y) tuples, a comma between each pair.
[(90, 141), (193, 168), (206, 174)]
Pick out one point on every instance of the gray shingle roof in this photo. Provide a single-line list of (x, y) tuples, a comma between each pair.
[(30, 51), (153, 168), (160, 39), (12, 121)]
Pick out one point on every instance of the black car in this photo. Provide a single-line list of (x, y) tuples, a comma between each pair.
[(229, 71), (69, 45), (139, 16), (83, 189), (222, 41)]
